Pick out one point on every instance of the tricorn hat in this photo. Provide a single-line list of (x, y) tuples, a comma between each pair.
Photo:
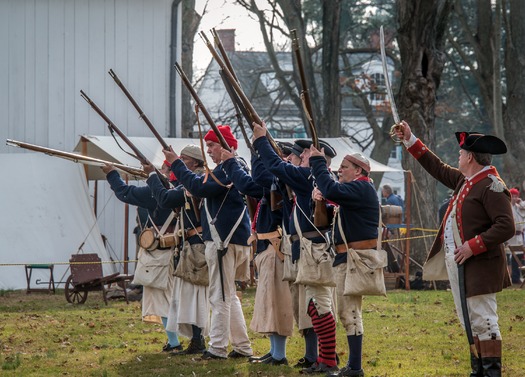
[(297, 149), (328, 149), (285, 147), (480, 143)]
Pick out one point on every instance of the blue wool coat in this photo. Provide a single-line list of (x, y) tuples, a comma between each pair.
[(358, 205), (172, 199), (266, 220), (300, 181), (224, 204), (138, 196)]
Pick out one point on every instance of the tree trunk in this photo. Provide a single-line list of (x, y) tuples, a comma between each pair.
[(514, 122), (422, 26), (331, 112)]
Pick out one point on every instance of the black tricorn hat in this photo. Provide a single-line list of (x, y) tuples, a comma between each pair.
[(479, 143), (328, 149), (297, 148), (285, 147)]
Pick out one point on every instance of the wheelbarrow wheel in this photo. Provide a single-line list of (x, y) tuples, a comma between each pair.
[(73, 295)]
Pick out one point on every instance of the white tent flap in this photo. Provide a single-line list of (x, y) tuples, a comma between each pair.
[(46, 217)]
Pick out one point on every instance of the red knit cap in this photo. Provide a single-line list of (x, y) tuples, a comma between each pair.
[(226, 133), (514, 191)]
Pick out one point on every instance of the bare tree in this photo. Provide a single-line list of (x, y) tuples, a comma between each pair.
[(497, 68), (421, 38)]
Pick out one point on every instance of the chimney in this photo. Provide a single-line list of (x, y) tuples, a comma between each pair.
[(227, 37)]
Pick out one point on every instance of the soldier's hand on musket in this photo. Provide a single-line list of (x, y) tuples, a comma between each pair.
[(226, 154), (107, 168), (402, 130), (259, 130), (462, 253), (170, 155), (316, 152), (148, 168), (317, 195)]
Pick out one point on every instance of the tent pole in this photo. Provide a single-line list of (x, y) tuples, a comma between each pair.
[(407, 222), (126, 234)]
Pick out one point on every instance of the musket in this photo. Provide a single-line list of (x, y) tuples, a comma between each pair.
[(222, 142), (195, 201), (251, 114), (237, 108), (320, 211), (143, 116), (199, 103), (79, 158), (305, 94), (388, 87), (113, 128)]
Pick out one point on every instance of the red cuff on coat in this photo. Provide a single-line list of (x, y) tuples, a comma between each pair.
[(477, 245), (418, 149)]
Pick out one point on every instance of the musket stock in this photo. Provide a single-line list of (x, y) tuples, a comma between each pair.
[(320, 211)]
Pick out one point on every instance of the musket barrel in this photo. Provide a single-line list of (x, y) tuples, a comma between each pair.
[(139, 110), (199, 103)]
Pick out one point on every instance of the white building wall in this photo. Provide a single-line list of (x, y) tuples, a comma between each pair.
[(51, 49)]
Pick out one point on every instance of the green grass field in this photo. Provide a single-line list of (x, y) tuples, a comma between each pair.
[(406, 334)]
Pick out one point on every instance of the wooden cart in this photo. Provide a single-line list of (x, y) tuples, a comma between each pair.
[(86, 275)]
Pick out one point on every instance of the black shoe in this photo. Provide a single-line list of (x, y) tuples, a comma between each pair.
[(194, 348), (304, 363), (258, 359), (347, 372), (237, 355), (210, 356), (169, 348), (272, 361), (319, 368)]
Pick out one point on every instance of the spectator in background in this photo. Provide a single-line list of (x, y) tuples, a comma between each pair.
[(391, 198)]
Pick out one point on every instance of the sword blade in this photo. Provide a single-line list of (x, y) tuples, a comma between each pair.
[(393, 107), (464, 309)]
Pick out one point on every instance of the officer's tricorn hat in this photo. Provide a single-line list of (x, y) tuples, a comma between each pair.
[(328, 149), (480, 143)]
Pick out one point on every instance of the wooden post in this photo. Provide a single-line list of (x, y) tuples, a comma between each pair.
[(126, 234), (408, 201)]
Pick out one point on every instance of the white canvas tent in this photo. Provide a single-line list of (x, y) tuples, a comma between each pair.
[(46, 217)]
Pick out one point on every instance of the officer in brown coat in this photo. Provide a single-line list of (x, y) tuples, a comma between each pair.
[(478, 221)]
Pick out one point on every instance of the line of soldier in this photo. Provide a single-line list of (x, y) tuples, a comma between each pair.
[(222, 233)]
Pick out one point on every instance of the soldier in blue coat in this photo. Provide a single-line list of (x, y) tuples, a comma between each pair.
[(319, 298), (356, 227), (226, 247), (189, 307), (272, 314), (155, 301)]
